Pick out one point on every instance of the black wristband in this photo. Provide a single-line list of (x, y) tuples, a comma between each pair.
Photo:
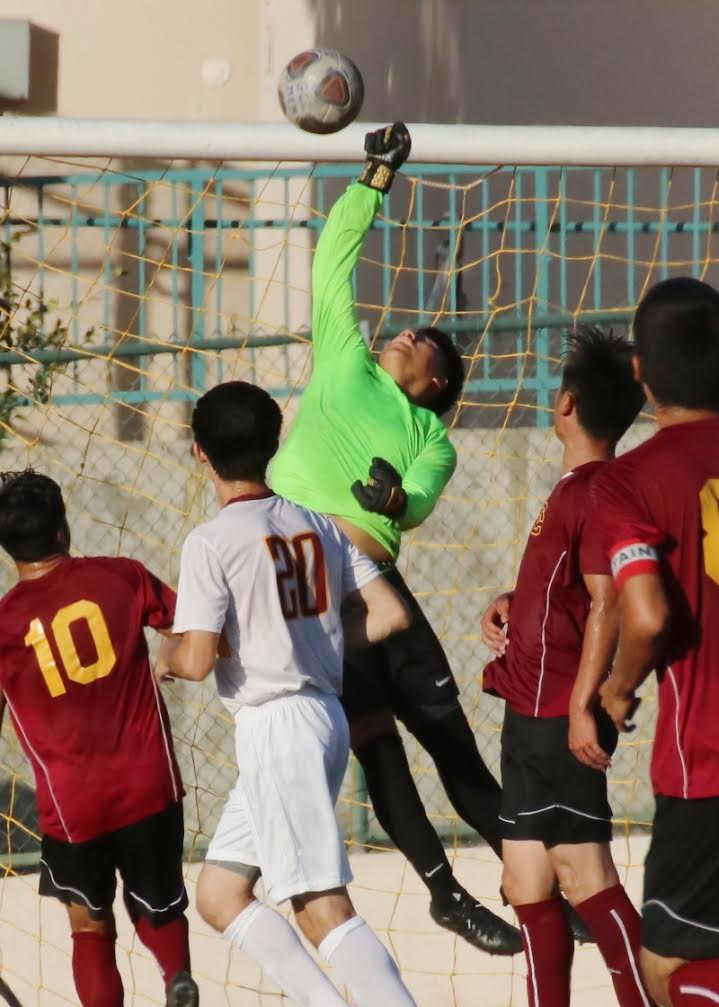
[(377, 176)]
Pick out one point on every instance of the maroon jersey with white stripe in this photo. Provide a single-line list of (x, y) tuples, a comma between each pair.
[(658, 510), (550, 605), (75, 671)]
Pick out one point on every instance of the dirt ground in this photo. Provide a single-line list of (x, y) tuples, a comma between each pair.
[(440, 969)]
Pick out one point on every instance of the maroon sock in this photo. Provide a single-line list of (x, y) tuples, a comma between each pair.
[(97, 980), (616, 927), (695, 984), (549, 950), (170, 944)]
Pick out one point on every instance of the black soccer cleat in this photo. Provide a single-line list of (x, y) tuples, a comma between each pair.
[(478, 925), (580, 931), (182, 991)]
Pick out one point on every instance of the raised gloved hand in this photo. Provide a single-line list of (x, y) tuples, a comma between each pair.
[(387, 150), (383, 493)]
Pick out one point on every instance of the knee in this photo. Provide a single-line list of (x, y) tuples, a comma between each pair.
[(513, 886), (584, 870), (318, 915), (657, 973), (219, 902), (527, 874), (568, 879), (81, 922), (365, 730)]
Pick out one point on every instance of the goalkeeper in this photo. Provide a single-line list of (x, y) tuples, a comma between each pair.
[(368, 447)]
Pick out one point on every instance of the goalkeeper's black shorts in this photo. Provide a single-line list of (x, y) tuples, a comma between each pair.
[(407, 674), (147, 855), (680, 915)]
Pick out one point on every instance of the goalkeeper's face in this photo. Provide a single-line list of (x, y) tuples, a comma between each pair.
[(416, 363)]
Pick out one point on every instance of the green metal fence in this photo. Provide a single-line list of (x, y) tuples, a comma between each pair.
[(623, 223), (185, 275)]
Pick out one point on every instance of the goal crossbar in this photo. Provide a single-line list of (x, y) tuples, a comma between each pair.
[(597, 146)]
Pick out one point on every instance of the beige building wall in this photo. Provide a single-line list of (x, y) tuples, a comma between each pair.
[(167, 59), (173, 59)]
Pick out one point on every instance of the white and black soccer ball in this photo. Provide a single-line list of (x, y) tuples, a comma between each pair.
[(321, 90)]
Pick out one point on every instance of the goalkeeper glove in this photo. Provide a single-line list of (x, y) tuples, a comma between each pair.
[(387, 150), (383, 494)]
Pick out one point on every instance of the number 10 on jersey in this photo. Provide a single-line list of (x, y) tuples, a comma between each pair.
[(89, 612)]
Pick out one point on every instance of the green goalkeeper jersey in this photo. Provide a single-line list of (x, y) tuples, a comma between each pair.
[(352, 411)]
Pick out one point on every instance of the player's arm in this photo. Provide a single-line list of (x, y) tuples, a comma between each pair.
[(373, 613), (191, 655), (334, 321), (494, 623), (156, 598), (409, 500), (371, 608), (600, 641), (644, 620), (632, 542), (203, 597)]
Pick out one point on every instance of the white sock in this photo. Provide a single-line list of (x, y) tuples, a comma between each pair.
[(365, 966), (267, 937)]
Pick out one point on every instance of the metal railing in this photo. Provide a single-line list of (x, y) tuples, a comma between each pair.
[(463, 230)]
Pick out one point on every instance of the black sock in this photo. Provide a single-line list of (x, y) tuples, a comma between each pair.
[(401, 814), (475, 794)]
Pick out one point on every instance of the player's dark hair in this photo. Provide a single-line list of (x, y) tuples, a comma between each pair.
[(676, 332), (33, 525), (598, 372), (453, 369), (238, 426)]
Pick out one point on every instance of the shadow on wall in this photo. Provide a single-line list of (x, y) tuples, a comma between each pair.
[(44, 61), (529, 61), (408, 51)]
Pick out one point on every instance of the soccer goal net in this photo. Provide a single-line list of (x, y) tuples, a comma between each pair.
[(130, 284)]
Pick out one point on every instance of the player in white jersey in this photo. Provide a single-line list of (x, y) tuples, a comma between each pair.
[(265, 580)]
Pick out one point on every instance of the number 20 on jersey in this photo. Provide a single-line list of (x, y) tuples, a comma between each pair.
[(301, 574)]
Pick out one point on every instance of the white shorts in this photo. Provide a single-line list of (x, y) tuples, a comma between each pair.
[(280, 816)]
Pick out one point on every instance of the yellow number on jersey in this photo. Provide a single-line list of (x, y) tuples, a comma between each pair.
[(709, 498), (74, 669)]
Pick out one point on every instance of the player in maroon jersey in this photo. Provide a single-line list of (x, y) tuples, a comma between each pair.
[(554, 637), (76, 678), (658, 510)]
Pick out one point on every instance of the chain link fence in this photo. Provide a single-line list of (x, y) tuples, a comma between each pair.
[(167, 281)]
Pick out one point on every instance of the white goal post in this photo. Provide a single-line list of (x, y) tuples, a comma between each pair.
[(611, 146)]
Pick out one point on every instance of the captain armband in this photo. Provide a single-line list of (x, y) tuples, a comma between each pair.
[(632, 558)]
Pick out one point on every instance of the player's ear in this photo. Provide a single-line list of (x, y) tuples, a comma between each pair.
[(199, 454), (566, 403), (637, 371)]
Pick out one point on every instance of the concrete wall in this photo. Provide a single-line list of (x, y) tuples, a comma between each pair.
[(630, 62), (519, 61)]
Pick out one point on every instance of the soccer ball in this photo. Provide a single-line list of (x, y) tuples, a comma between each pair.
[(321, 91)]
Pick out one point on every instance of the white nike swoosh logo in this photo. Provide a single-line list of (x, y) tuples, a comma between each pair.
[(429, 874), (443, 681)]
